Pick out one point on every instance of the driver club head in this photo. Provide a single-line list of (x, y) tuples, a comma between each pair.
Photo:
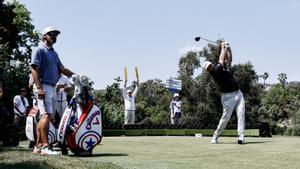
[(197, 39)]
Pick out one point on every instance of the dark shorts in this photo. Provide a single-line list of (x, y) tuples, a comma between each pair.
[(177, 115)]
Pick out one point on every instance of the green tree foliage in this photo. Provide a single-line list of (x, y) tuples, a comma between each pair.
[(282, 106), (247, 80), (111, 103), (17, 37), (282, 77), (152, 103), (201, 96), (265, 77)]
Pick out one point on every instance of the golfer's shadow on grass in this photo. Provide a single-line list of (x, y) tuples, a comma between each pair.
[(109, 155), (250, 142), (105, 155)]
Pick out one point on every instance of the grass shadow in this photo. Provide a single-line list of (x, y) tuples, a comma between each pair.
[(250, 142), (101, 155), (25, 165), (5, 149), (109, 155), (258, 142)]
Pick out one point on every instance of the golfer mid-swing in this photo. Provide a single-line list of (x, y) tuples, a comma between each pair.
[(232, 98)]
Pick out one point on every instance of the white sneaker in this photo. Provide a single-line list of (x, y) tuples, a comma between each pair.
[(47, 151), (214, 139), (241, 139), (37, 150)]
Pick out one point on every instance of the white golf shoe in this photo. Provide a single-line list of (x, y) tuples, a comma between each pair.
[(48, 151), (241, 139), (215, 139)]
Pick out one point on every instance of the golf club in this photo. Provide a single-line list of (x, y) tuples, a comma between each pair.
[(198, 38)]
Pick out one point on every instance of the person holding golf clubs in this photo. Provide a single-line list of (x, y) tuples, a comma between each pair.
[(46, 69), (62, 87), (129, 99), (232, 98)]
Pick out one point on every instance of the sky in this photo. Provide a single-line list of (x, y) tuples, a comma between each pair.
[(100, 37)]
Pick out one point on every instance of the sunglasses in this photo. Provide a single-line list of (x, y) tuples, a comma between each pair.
[(52, 34)]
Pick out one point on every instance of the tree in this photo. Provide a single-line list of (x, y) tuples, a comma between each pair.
[(265, 77), (152, 103), (201, 96), (17, 37), (111, 104), (282, 78), (278, 103), (245, 76), (187, 65)]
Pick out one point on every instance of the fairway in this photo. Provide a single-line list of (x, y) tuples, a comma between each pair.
[(169, 152)]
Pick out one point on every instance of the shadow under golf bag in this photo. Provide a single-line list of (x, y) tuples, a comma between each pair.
[(31, 122), (80, 128)]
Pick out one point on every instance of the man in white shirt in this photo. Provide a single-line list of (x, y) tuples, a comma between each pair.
[(175, 108), (20, 106), (129, 100), (62, 87)]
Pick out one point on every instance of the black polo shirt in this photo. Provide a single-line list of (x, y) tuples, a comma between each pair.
[(224, 79)]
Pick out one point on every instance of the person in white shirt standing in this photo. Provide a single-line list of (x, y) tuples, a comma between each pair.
[(129, 100), (20, 107), (175, 108), (62, 87)]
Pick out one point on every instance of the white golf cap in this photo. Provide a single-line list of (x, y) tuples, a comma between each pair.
[(129, 91), (176, 95), (206, 64), (50, 29)]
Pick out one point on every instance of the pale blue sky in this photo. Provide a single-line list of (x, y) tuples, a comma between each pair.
[(99, 38)]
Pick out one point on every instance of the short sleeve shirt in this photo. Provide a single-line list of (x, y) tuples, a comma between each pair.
[(176, 106), (61, 94), (21, 105), (48, 64)]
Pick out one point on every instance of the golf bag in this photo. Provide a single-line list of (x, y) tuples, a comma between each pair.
[(31, 122), (80, 128)]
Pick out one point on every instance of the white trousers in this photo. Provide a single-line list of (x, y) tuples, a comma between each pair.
[(129, 116), (61, 107), (231, 101)]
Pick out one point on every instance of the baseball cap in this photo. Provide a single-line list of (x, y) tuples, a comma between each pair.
[(206, 64), (129, 91), (50, 29), (176, 95)]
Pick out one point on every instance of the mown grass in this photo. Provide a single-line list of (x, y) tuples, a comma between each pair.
[(169, 152), (22, 158)]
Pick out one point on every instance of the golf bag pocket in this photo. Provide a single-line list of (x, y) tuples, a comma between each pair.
[(31, 123), (82, 130)]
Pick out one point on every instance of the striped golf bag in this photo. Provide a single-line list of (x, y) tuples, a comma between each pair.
[(31, 122), (80, 128)]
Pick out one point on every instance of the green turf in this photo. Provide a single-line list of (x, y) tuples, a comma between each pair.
[(174, 132), (170, 152)]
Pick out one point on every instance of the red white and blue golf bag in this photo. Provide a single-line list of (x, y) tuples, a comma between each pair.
[(31, 122), (80, 128)]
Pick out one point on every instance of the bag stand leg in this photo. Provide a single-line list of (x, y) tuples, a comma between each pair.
[(64, 148)]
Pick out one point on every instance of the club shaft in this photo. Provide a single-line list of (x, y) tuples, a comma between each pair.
[(208, 40)]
